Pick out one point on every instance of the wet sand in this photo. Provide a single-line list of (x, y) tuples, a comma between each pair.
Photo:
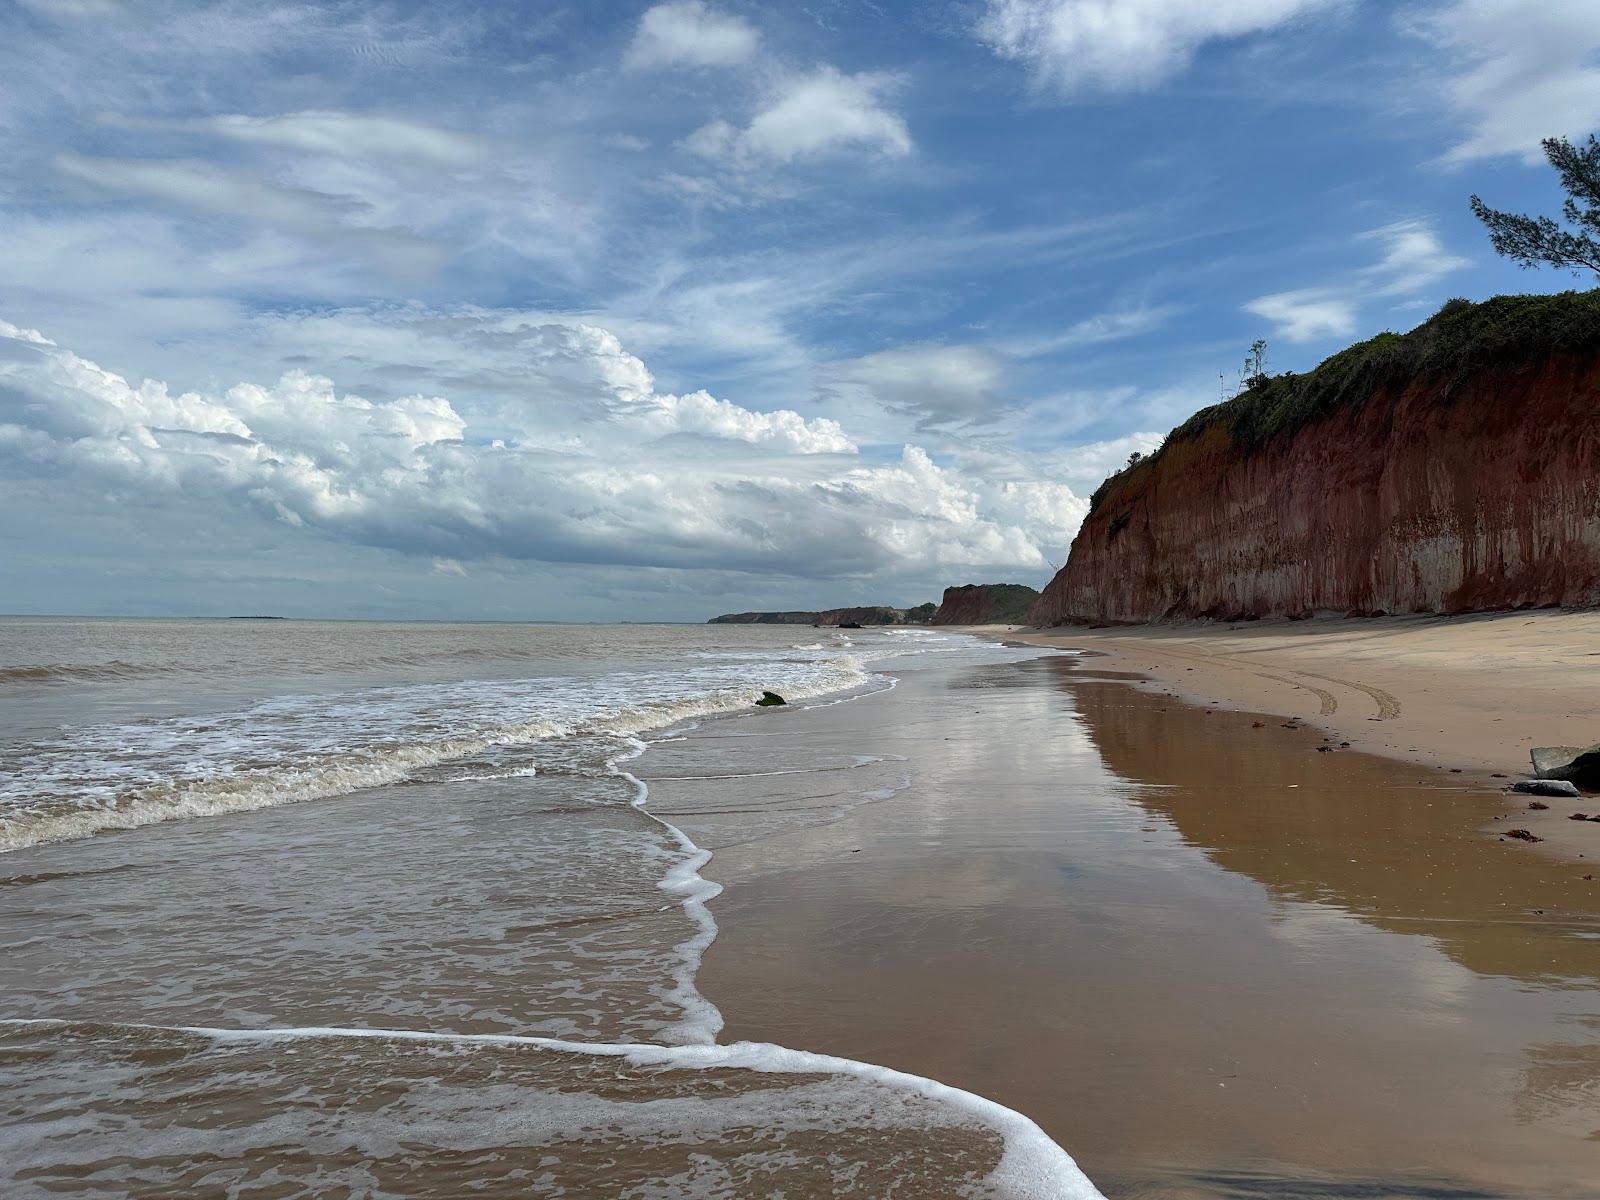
[(1471, 694), (1207, 959), (478, 978)]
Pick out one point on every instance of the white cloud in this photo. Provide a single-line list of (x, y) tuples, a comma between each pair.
[(1087, 465), (1121, 45), (812, 115), (935, 384), (1308, 314), (210, 189), (703, 413), (1090, 331), (1413, 259), (1517, 72), (689, 33), (588, 464), (342, 134), (346, 224)]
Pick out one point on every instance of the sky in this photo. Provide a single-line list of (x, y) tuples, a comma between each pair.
[(620, 311)]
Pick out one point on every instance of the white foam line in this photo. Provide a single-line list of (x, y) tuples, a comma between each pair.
[(862, 760), (890, 683), (1032, 1166), (702, 1020)]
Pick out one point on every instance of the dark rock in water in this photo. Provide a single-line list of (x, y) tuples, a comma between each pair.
[(1545, 787), (1578, 764), (770, 700), (1523, 835), (850, 625), (1537, 806), (1577, 816)]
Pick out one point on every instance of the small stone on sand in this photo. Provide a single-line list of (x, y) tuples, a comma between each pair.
[(1545, 787)]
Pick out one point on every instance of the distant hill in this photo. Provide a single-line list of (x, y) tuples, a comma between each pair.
[(866, 615), (985, 604), (1455, 468)]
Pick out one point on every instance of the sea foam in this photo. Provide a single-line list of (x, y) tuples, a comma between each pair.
[(295, 748), (1032, 1166)]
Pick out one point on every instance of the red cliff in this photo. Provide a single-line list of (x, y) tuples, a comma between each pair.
[(985, 604), (1452, 469)]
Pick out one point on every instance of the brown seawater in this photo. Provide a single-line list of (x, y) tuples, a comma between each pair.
[(299, 909)]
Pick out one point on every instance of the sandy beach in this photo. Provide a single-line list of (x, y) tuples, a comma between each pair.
[(1205, 959), (1469, 694), (960, 916)]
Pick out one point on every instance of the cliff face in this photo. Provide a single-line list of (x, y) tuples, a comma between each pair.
[(985, 604), (1453, 469)]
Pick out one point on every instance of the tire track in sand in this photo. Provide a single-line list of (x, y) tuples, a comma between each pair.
[(1388, 704), (1328, 701)]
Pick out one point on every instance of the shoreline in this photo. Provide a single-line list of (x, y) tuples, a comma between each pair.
[(1466, 695), (1193, 953)]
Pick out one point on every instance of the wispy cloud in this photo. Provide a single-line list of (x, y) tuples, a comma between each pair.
[(1513, 73), (1121, 45), (330, 132), (1412, 260), (1093, 330)]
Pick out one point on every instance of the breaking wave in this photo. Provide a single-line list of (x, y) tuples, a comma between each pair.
[(291, 749)]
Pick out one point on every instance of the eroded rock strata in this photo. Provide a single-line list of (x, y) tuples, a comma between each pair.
[(985, 604), (1451, 469)]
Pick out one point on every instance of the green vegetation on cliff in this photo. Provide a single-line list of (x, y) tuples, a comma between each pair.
[(1459, 339)]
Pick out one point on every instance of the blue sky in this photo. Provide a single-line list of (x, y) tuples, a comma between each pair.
[(618, 311)]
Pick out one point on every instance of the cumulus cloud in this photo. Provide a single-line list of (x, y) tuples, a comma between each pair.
[(599, 468), (811, 115), (1121, 45), (1412, 260), (690, 33), (1517, 72)]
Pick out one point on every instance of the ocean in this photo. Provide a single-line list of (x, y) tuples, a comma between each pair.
[(359, 909)]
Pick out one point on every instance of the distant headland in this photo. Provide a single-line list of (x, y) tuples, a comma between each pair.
[(969, 604)]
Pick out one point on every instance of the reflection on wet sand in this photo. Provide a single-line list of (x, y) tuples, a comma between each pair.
[(1141, 925), (1399, 847)]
